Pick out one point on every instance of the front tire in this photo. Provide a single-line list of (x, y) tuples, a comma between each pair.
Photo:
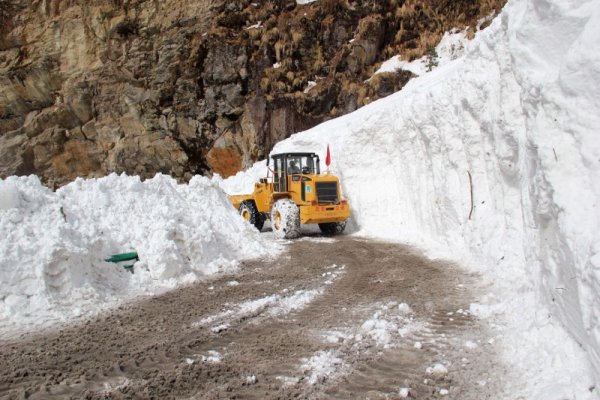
[(332, 228), (250, 213), (285, 219)]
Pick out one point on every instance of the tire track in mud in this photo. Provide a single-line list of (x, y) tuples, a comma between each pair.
[(252, 344)]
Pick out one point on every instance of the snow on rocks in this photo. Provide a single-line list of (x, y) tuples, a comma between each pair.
[(451, 47), (54, 244)]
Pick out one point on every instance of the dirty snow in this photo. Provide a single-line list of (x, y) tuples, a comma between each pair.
[(274, 305), (321, 366)]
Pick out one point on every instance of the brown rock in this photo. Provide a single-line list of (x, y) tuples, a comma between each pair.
[(188, 87)]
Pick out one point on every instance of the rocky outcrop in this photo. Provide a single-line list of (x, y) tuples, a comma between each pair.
[(188, 87)]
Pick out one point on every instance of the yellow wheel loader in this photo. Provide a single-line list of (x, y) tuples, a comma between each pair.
[(294, 193)]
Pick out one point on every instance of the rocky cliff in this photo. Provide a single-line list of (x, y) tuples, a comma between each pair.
[(190, 87)]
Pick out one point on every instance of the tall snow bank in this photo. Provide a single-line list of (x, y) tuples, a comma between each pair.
[(519, 113), (53, 244)]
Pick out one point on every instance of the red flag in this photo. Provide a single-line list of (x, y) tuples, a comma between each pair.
[(328, 157)]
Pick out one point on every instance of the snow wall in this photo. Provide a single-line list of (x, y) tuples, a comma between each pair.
[(520, 113), (54, 244)]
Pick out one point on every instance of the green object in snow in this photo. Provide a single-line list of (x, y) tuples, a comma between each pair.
[(117, 258)]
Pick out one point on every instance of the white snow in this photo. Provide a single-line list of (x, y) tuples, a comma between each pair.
[(514, 122), (54, 244)]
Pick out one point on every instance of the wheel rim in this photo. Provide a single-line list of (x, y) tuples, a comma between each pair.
[(277, 220), (246, 215)]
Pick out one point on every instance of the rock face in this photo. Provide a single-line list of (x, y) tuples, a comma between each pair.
[(190, 87)]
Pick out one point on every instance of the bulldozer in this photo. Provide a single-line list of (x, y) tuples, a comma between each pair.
[(295, 192)]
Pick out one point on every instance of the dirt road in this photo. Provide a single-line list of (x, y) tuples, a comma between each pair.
[(331, 318)]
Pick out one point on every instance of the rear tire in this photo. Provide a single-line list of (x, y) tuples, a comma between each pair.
[(332, 228), (250, 213), (285, 219)]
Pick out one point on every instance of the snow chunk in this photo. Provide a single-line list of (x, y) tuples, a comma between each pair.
[(404, 309), (310, 85), (212, 357), (321, 366), (437, 369)]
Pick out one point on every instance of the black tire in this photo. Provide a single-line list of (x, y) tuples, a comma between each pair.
[(285, 219), (250, 213), (332, 228)]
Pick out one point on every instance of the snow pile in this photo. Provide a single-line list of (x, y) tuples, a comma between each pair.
[(54, 244), (493, 160)]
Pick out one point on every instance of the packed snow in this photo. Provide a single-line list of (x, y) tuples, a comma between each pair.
[(493, 160), (54, 244)]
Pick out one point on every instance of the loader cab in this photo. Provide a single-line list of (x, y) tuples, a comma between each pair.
[(292, 165)]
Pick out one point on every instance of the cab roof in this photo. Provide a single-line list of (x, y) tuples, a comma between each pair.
[(279, 155)]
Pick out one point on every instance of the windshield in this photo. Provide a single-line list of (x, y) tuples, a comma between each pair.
[(302, 165)]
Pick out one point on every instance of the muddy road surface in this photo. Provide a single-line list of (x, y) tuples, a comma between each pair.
[(335, 318)]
